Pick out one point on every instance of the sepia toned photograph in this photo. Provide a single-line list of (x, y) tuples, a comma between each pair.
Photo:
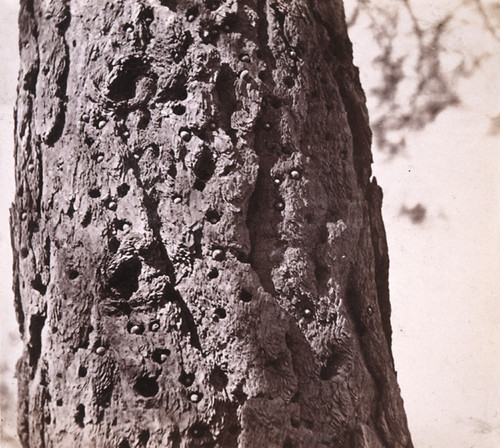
[(250, 223)]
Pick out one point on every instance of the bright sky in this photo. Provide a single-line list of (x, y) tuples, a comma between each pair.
[(444, 272)]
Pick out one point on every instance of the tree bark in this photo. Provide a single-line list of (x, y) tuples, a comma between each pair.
[(199, 254)]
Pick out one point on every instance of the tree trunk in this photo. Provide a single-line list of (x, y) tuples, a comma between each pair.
[(199, 255)]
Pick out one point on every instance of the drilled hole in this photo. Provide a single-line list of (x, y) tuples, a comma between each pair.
[(113, 245), (213, 273), (179, 109), (124, 444), (80, 415), (59, 402), (38, 285), (125, 280), (123, 86), (146, 386), (198, 430), (186, 379), (144, 436), (212, 4), (72, 275), (218, 379), (24, 252), (95, 193), (288, 81), (212, 217), (192, 13), (160, 355), (82, 371), (245, 296), (220, 313), (172, 5), (122, 190), (135, 328)]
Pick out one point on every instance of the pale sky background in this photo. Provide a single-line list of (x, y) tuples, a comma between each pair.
[(444, 273)]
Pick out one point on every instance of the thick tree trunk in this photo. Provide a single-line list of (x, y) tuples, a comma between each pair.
[(199, 256)]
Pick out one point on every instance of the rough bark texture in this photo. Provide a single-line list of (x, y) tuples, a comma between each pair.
[(199, 255)]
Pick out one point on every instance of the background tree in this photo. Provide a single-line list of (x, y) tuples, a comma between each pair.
[(199, 254)]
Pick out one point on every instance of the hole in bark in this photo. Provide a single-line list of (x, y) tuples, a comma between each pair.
[(94, 193), (179, 109), (289, 81), (276, 102), (239, 395), (38, 285), (199, 185), (144, 436), (72, 275), (213, 273), (212, 216), (198, 430), (80, 415), (24, 252), (125, 280), (245, 296), (218, 379), (172, 5), (59, 402), (192, 13), (332, 365), (124, 444), (230, 22), (35, 344), (146, 386), (289, 443), (135, 328), (123, 85), (195, 397), (122, 190), (204, 166), (89, 141), (121, 224), (212, 4), (160, 355), (186, 379), (295, 422), (82, 372), (87, 219), (113, 245), (174, 91), (220, 313), (224, 86)]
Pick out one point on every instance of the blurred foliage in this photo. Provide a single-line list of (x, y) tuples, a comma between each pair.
[(421, 51)]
